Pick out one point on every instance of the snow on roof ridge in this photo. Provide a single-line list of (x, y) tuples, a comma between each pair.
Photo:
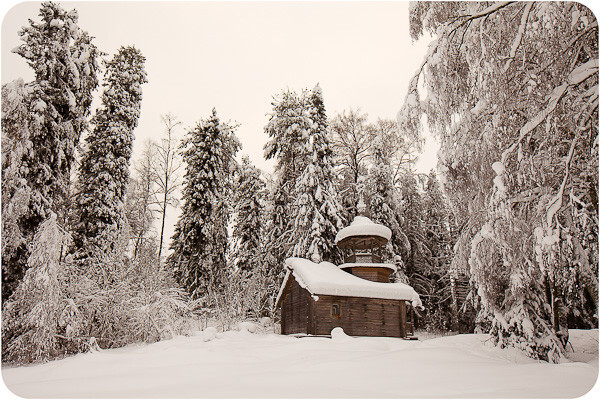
[(363, 226), (326, 278), (368, 265)]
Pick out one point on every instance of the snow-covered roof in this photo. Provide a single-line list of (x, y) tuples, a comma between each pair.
[(369, 265), (363, 226), (327, 279)]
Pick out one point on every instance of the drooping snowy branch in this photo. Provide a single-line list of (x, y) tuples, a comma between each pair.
[(578, 75), (556, 202), (468, 18), (519, 37)]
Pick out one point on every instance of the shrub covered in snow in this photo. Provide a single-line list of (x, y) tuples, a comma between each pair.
[(247, 326), (32, 320), (65, 307), (209, 334)]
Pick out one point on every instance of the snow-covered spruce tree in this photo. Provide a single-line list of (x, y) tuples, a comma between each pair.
[(199, 244), (248, 229), (513, 99), (32, 319), (416, 254), (58, 101), (15, 189), (288, 132), (104, 169), (425, 223), (249, 289), (317, 214)]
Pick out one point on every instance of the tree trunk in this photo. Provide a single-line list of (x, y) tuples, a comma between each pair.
[(162, 228), (454, 306)]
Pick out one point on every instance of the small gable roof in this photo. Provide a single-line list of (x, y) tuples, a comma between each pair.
[(327, 279)]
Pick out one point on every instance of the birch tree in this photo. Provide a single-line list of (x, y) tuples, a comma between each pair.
[(140, 197), (512, 95), (166, 166), (351, 138)]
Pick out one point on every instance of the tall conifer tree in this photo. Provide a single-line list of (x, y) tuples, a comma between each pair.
[(200, 241), (63, 58), (317, 213), (104, 170), (288, 132), (249, 217)]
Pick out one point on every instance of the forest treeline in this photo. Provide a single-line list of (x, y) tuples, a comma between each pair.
[(503, 239)]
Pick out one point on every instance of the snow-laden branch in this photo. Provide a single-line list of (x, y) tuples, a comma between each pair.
[(490, 10), (556, 202), (519, 37), (591, 27), (555, 96), (583, 72), (576, 76), (483, 13), (431, 50)]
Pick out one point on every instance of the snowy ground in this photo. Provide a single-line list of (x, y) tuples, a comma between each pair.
[(242, 364)]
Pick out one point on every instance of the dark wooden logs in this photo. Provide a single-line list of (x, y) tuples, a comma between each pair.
[(294, 308), (358, 316), (374, 274)]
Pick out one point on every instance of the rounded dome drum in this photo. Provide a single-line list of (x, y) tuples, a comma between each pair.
[(363, 234)]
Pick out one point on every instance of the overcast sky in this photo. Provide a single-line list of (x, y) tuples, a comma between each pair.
[(236, 56)]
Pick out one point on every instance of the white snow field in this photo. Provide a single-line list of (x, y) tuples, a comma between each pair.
[(241, 364)]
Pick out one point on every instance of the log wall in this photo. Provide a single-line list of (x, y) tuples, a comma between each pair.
[(295, 307), (360, 316)]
